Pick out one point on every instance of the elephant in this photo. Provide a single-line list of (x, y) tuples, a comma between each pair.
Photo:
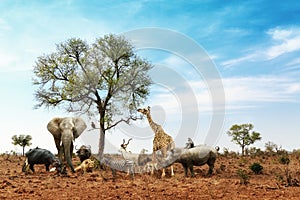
[(64, 131)]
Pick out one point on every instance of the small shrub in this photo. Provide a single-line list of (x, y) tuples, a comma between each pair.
[(289, 180), (225, 152), (255, 152), (296, 153), (244, 178), (256, 168), (233, 154), (284, 160)]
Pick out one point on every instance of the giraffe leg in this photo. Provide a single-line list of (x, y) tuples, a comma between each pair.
[(153, 161), (163, 173), (152, 170), (154, 156), (172, 172), (164, 156)]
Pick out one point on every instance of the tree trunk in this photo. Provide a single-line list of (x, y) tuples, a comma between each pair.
[(101, 143), (23, 150), (243, 146), (243, 150)]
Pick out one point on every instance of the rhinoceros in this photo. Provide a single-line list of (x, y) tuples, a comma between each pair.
[(196, 156)]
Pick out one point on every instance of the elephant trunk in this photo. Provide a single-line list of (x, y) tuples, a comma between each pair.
[(67, 142)]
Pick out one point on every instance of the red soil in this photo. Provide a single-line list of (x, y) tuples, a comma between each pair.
[(223, 184)]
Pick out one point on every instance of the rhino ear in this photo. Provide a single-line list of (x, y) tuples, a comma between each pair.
[(79, 126), (53, 126)]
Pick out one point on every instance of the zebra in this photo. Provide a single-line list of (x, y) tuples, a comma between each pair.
[(119, 164)]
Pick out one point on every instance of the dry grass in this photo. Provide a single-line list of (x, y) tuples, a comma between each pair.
[(223, 184)]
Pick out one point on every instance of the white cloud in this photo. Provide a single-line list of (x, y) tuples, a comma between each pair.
[(285, 47), (7, 60), (260, 89), (282, 41), (236, 61), (174, 61), (294, 88), (280, 34), (288, 40), (296, 61), (243, 94), (240, 93), (213, 56)]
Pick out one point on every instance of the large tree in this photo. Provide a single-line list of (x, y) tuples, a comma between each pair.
[(106, 80), (243, 136), (22, 140)]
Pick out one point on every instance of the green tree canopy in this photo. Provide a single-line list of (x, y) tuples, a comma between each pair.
[(243, 136), (106, 80), (22, 140)]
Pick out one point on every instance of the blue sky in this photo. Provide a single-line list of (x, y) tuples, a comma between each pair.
[(255, 46)]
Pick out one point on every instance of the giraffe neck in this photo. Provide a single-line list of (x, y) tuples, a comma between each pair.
[(152, 124)]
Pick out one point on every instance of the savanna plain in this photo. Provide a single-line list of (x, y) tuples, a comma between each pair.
[(232, 179)]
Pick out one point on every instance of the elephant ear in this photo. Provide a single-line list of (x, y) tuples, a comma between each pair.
[(79, 126), (53, 127)]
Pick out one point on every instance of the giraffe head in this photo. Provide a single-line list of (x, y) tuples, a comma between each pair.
[(144, 111)]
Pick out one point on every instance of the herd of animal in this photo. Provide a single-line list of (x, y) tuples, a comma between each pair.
[(165, 154)]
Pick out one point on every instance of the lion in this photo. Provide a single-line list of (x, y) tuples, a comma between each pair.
[(86, 166)]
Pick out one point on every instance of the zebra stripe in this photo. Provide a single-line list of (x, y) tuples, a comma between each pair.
[(119, 164)]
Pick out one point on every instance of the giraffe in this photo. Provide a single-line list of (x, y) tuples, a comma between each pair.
[(162, 141)]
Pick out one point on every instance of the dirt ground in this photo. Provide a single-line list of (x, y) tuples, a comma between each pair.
[(225, 183)]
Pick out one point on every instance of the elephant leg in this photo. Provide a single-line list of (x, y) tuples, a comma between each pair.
[(59, 149), (71, 150), (70, 160), (61, 155)]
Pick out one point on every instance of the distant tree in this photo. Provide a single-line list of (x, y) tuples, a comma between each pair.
[(255, 151), (271, 147), (106, 80), (22, 140), (243, 136)]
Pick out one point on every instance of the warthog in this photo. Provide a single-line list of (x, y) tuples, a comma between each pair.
[(41, 156)]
